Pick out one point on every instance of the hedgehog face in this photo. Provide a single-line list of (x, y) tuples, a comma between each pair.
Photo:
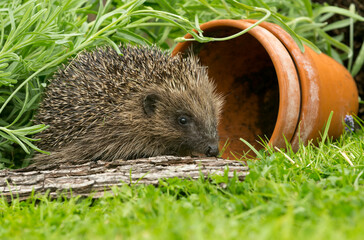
[(188, 123), (196, 138)]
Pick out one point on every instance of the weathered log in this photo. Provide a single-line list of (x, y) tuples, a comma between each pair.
[(97, 177)]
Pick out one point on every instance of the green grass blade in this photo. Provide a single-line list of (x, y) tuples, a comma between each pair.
[(327, 127), (252, 148)]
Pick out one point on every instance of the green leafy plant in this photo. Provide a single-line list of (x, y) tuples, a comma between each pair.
[(37, 36)]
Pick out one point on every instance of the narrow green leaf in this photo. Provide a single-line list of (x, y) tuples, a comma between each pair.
[(308, 7), (351, 37), (337, 10), (310, 44), (166, 6), (325, 17), (30, 130), (31, 145), (336, 43), (327, 127), (13, 138), (252, 148), (359, 61), (337, 25), (130, 36), (295, 37)]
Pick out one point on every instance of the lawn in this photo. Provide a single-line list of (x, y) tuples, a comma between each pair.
[(319, 196), (315, 193)]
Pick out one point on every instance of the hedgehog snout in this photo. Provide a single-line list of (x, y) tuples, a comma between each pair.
[(212, 150)]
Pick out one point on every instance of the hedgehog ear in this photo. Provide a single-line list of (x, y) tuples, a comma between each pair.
[(149, 104)]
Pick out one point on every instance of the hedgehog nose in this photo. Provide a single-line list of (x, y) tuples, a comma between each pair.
[(212, 151)]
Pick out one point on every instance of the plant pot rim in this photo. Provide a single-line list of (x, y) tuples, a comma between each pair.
[(288, 80)]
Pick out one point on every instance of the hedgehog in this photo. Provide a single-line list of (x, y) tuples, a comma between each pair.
[(138, 103)]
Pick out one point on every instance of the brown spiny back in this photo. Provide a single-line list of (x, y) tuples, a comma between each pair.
[(106, 105)]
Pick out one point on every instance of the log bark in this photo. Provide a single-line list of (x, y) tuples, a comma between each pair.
[(96, 178)]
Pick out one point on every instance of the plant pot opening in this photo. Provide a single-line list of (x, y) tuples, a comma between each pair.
[(273, 90), (245, 75)]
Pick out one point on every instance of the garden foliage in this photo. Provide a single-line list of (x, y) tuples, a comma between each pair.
[(37, 36)]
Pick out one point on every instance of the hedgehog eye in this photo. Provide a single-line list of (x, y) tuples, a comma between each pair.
[(182, 120)]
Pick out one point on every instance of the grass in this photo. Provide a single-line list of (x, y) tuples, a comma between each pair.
[(316, 193)]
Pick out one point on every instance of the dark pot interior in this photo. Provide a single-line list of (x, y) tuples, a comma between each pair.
[(245, 75)]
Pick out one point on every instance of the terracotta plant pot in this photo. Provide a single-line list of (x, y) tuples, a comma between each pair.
[(272, 90)]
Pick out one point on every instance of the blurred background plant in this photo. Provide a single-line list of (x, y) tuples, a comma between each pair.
[(37, 36)]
